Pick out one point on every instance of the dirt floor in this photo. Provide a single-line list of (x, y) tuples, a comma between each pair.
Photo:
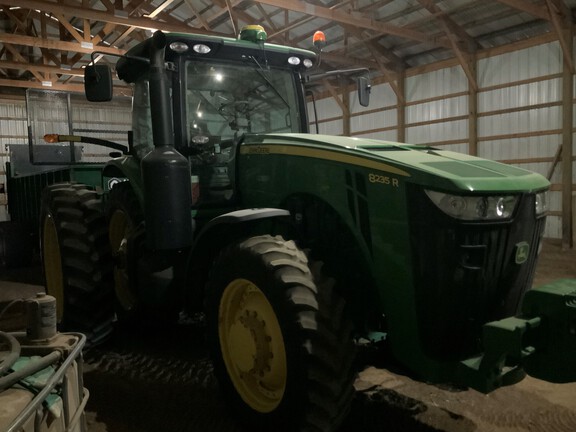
[(162, 381)]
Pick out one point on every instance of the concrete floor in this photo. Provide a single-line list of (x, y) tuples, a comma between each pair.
[(157, 381)]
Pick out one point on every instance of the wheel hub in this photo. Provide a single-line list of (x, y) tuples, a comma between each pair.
[(252, 345), (119, 229)]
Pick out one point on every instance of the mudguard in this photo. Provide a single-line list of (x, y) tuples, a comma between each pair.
[(220, 232)]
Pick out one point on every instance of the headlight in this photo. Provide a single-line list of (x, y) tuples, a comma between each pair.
[(475, 208), (294, 61), (541, 203)]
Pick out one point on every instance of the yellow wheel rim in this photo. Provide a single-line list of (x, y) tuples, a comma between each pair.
[(252, 345), (53, 264), (119, 229)]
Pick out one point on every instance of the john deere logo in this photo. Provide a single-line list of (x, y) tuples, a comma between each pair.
[(522, 250)]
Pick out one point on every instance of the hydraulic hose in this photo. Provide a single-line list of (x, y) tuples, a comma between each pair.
[(29, 369), (11, 358)]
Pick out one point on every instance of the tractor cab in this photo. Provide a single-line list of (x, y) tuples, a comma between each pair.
[(217, 89)]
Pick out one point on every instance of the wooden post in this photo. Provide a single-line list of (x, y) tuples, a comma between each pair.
[(473, 111), (567, 108), (346, 112), (401, 108)]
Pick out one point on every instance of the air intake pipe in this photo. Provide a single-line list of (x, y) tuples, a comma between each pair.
[(165, 172)]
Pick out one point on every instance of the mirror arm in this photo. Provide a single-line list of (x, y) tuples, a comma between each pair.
[(315, 77)]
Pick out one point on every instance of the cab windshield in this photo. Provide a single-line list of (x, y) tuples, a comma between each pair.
[(224, 101)]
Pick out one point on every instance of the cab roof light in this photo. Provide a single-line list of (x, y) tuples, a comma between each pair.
[(294, 61), (319, 40), (179, 47), (201, 49)]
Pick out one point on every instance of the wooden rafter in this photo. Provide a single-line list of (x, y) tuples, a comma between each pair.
[(199, 16), (387, 74), (528, 7), (377, 39), (334, 93), (357, 20), (561, 21), (54, 44), (98, 15), (455, 35)]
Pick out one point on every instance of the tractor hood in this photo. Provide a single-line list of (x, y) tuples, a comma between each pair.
[(420, 164)]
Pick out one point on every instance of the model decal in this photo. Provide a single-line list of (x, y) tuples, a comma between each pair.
[(292, 150), (377, 178)]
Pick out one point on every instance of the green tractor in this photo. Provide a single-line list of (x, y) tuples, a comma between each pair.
[(296, 246)]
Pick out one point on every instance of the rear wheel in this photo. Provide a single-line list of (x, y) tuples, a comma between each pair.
[(281, 344), (76, 260), (142, 277), (126, 242)]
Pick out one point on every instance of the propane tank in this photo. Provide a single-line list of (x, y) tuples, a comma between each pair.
[(41, 317)]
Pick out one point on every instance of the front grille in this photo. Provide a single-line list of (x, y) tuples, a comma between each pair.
[(466, 274)]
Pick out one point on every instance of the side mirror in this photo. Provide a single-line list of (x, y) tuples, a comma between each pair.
[(364, 88), (98, 83)]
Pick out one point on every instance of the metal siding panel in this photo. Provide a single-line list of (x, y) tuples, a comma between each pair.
[(553, 227), (381, 96), (532, 62), (331, 128), (436, 83), (373, 121), (459, 148), (384, 135), (328, 108), (437, 132)]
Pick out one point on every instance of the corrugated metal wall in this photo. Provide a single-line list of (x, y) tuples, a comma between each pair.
[(111, 124), (527, 86), (12, 131), (519, 112)]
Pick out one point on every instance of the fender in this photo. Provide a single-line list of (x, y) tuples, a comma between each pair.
[(125, 167), (220, 232)]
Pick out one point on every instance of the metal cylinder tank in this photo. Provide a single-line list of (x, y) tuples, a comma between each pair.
[(168, 199)]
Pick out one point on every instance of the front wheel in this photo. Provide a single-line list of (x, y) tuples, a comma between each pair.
[(281, 344)]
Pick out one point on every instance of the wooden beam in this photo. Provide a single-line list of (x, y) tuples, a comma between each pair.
[(64, 23), (190, 4), (335, 95), (473, 114), (357, 20), (19, 23), (560, 23), (32, 67), (54, 44), (103, 16), (346, 125), (555, 161), (454, 28), (233, 19), (19, 57), (401, 109), (159, 9), (385, 73), (528, 7), (266, 17), (73, 88), (455, 35), (567, 133)]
